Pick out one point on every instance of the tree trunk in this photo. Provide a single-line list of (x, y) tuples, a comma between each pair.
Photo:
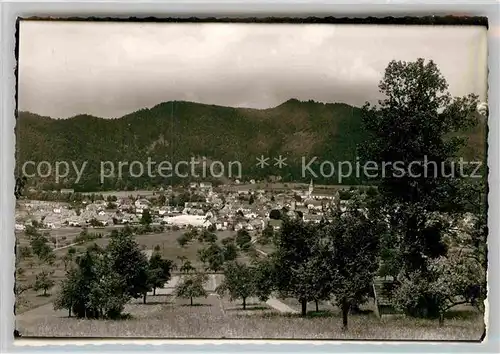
[(345, 313), (244, 303), (441, 319), (44, 292), (69, 312), (144, 298), (304, 307), (317, 308), (191, 301), (154, 291)]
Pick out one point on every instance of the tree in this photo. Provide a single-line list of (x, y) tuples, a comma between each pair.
[(267, 235), (93, 289), (212, 256), (371, 192), (25, 252), (69, 293), (146, 218), (159, 271), (297, 263), (19, 186), (186, 266), (193, 233), (207, 236), (19, 271), (455, 278), (130, 263), (352, 242), (43, 282), (183, 239), (95, 223), (275, 214), (40, 247), (31, 230), (230, 252), (53, 240), (239, 282), (455, 281), (67, 259), (417, 119), (192, 287), (21, 288), (227, 240), (243, 239), (419, 126), (450, 281), (106, 294), (265, 277)]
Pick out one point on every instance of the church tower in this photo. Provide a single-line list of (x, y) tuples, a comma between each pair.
[(311, 188)]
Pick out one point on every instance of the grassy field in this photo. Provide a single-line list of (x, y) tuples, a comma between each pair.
[(167, 241), (215, 317)]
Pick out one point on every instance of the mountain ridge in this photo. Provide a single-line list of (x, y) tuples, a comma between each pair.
[(179, 130)]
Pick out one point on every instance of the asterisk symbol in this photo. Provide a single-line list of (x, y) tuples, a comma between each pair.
[(280, 161), (262, 161)]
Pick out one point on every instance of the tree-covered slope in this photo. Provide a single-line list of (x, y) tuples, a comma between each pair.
[(177, 131)]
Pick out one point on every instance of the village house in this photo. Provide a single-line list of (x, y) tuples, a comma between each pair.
[(206, 186), (313, 218), (142, 204)]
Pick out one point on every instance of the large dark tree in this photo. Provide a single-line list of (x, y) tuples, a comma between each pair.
[(192, 287), (90, 290), (130, 263), (416, 136), (146, 218), (418, 122), (239, 282), (19, 187), (299, 270), (243, 239), (352, 243), (212, 256), (159, 272)]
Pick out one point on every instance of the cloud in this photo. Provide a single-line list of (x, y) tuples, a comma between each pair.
[(110, 69)]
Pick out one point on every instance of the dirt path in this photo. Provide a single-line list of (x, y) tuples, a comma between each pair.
[(281, 307), (67, 246)]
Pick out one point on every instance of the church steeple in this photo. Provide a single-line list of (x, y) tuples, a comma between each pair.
[(311, 188)]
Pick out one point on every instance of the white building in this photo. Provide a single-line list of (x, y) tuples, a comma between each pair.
[(187, 220), (142, 204)]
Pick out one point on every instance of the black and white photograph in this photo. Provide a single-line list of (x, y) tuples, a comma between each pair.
[(251, 180)]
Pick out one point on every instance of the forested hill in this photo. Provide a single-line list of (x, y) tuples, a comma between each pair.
[(179, 130)]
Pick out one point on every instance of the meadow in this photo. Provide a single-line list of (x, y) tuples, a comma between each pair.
[(167, 316)]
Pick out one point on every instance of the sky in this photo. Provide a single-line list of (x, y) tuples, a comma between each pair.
[(112, 69)]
